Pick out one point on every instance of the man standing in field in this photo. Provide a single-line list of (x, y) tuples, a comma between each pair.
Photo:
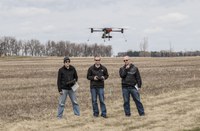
[(131, 84), (67, 76), (97, 73)]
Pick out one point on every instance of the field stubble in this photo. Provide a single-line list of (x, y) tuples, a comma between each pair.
[(29, 96)]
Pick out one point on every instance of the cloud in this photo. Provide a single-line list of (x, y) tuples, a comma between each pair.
[(24, 12), (48, 28), (173, 17), (153, 30), (29, 27)]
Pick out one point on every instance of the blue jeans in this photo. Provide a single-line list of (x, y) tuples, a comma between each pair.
[(127, 91), (62, 101), (98, 91)]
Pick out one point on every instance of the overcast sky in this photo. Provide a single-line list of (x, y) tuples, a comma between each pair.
[(163, 22)]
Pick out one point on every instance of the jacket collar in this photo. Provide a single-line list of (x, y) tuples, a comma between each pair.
[(70, 67), (96, 67)]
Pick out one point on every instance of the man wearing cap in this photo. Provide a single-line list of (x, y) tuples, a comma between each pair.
[(97, 74), (67, 76), (131, 84)]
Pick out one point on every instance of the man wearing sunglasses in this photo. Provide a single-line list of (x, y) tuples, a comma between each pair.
[(131, 84), (97, 73), (67, 76)]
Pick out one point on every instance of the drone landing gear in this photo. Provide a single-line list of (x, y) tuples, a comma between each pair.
[(124, 38)]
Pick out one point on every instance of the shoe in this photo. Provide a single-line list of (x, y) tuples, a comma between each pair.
[(142, 114), (104, 116), (59, 118), (128, 115), (95, 115)]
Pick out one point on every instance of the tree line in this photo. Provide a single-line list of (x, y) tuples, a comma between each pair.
[(163, 53), (9, 46)]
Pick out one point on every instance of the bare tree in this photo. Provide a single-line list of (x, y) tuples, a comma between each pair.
[(25, 48), (5, 45), (33, 46), (61, 48), (170, 49), (2, 44), (10, 46), (37, 47), (143, 47), (18, 48)]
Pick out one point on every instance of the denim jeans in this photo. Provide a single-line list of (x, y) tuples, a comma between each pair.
[(62, 101), (98, 91), (127, 91)]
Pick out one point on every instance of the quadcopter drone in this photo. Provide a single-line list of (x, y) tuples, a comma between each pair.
[(107, 31)]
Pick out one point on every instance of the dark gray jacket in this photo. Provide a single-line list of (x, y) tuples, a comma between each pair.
[(130, 77), (66, 78), (94, 71)]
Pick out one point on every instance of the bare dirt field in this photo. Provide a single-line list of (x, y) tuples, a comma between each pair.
[(29, 95)]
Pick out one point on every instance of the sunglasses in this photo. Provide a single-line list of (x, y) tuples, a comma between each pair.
[(67, 61), (125, 60), (97, 60)]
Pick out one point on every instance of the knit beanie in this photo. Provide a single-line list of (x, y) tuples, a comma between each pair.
[(65, 59)]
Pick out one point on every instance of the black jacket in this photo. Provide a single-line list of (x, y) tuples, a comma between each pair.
[(94, 71), (66, 78), (130, 77)]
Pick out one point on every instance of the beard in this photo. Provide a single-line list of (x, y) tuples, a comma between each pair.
[(97, 65)]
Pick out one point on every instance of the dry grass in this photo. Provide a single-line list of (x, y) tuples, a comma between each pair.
[(170, 94)]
